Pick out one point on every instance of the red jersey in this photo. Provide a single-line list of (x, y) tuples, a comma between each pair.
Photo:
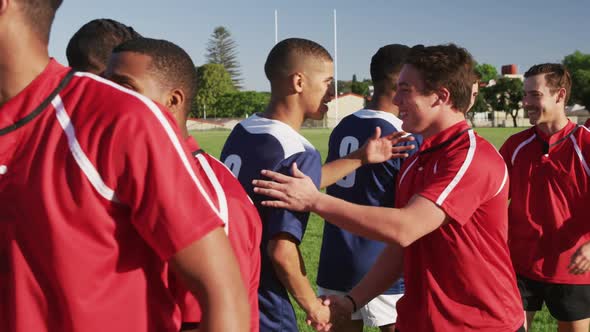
[(243, 227), (97, 191), (587, 124), (548, 210), (459, 277)]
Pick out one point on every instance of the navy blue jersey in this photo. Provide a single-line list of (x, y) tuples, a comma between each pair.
[(345, 258), (258, 143)]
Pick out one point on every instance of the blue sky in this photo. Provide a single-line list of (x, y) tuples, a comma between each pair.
[(523, 32)]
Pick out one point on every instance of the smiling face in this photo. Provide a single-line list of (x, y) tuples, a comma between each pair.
[(415, 108), (133, 71), (540, 101), (317, 79)]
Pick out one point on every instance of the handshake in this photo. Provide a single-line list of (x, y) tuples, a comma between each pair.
[(330, 311)]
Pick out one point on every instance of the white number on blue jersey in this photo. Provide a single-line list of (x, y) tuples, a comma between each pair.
[(234, 163), (348, 145)]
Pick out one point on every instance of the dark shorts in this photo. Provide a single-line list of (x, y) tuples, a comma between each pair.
[(566, 302), (521, 329)]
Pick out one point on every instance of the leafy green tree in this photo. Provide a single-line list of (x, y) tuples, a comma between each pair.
[(222, 49), (213, 82), (480, 106), (344, 86), (487, 72), (360, 88), (241, 104), (578, 64), (506, 95)]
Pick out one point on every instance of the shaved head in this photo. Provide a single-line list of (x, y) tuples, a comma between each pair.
[(293, 55)]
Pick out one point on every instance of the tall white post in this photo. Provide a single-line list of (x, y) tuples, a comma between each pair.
[(336, 68), (276, 27)]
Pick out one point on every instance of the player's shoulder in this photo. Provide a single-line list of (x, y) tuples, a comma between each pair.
[(514, 140), (474, 152), (386, 120), (482, 157), (106, 101), (584, 133), (277, 135), (362, 124)]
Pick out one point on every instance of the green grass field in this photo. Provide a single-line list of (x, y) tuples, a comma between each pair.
[(212, 142)]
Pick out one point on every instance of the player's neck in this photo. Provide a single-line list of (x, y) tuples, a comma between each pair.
[(383, 103), (20, 64), (181, 120), (280, 110), (552, 127), (445, 121)]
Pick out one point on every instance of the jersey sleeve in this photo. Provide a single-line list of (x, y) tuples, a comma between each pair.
[(285, 221), (159, 181), (463, 182)]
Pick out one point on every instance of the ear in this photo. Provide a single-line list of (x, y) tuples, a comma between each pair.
[(297, 82), (443, 97), (175, 100), (561, 95)]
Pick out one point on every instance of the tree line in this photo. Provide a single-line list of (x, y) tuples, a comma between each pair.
[(220, 84)]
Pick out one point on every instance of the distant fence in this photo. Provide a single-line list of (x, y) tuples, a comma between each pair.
[(477, 120)]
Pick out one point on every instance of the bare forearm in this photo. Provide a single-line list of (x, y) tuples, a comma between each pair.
[(290, 270), (339, 168), (215, 280), (376, 223), (403, 226), (387, 269)]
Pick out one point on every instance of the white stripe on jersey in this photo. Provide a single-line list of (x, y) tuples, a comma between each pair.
[(580, 155), (462, 170), (503, 181), (520, 146), (218, 191), (376, 114), (167, 128), (406, 171), (81, 159), (291, 141)]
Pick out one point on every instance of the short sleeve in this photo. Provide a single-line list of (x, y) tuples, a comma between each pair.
[(160, 182), (285, 221), (463, 181)]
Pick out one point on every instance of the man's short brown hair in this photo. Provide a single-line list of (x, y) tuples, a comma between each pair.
[(446, 66), (40, 15), (281, 56), (556, 76)]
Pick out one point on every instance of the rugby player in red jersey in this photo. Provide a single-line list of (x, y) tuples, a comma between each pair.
[(99, 197), (548, 213), (165, 73), (448, 232)]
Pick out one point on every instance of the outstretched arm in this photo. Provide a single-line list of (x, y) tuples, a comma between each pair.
[(376, 150), (209, 269), (404, 226)]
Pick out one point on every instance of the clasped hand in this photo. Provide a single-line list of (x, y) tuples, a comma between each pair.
[(333, 311)]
